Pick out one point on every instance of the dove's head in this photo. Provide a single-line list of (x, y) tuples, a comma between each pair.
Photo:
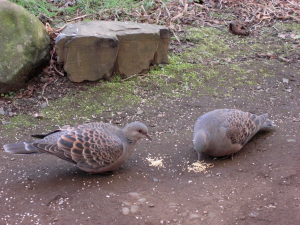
[(136, 130), (201, 142)]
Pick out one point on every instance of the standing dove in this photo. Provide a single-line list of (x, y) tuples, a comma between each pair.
[(93, 147), (225, 131)]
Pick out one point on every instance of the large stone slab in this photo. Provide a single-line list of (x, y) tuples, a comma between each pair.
[(24, 46), (98, 49)]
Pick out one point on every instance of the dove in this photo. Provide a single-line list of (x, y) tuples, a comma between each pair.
[(224, 132), (93, 147)]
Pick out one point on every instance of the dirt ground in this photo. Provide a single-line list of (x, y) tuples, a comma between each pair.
[(159, 184)]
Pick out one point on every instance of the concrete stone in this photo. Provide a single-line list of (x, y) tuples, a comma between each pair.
[(90, 58), (24, 47), (99, 49)]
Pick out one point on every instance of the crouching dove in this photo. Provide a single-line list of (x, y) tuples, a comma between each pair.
[(93, 147), (224, 132)]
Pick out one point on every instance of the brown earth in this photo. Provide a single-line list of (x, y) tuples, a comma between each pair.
[(259, 186)]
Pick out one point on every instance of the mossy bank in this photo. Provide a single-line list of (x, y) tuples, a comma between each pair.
[(208, 62)]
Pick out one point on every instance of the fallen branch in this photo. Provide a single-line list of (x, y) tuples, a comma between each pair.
[(43, 90), (129, 77), (63, 27), (52, 64), (79, 17), (60, 73), (175, 36)]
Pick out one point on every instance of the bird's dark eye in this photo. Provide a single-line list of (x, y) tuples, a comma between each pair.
[(140, 131)]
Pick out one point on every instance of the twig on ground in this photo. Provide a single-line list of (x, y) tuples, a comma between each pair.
[(44, 87), (60, 73), (78, 17), (127, 78), (54, 67), (63, 27), (175, 36), (145, 75), (168, 12)]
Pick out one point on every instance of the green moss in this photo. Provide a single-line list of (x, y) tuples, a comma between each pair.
[(200, 69), (25, 42), (21, 121), (209, 43), (92, 102), (288, 27)]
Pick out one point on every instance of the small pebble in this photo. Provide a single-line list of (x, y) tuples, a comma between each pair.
[(155, 179), (134, 208), (288, 90), (291, 140), (134, 194), (172, 204), (139, 112), (253, 215), (150, 205), (44, 105), (125, 211), (126, 203), (285, 81), (270, 206), (142, 200), (194, 216), (2, 111)]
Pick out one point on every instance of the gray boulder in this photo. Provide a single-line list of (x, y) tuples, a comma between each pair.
[(24, 46), (98, 49)]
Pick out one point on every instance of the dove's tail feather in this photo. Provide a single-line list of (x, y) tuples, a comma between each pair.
[(268, 124), (20, 148)]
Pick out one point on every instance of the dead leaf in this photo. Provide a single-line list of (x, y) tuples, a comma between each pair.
[(49, 28), (282, 35), (236, 27), (161, 115), (282, 59), (38, 115), (28, 93), (296, 36)]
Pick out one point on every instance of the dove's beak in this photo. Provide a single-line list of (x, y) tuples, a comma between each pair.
[(147, 136)]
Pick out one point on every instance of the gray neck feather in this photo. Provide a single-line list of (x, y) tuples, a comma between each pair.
[(128, 140)]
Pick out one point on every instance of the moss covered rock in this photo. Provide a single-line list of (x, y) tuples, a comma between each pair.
[(24, 46)]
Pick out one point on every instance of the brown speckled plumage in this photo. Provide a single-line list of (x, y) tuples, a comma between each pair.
[(93, 147), (225, 131)]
